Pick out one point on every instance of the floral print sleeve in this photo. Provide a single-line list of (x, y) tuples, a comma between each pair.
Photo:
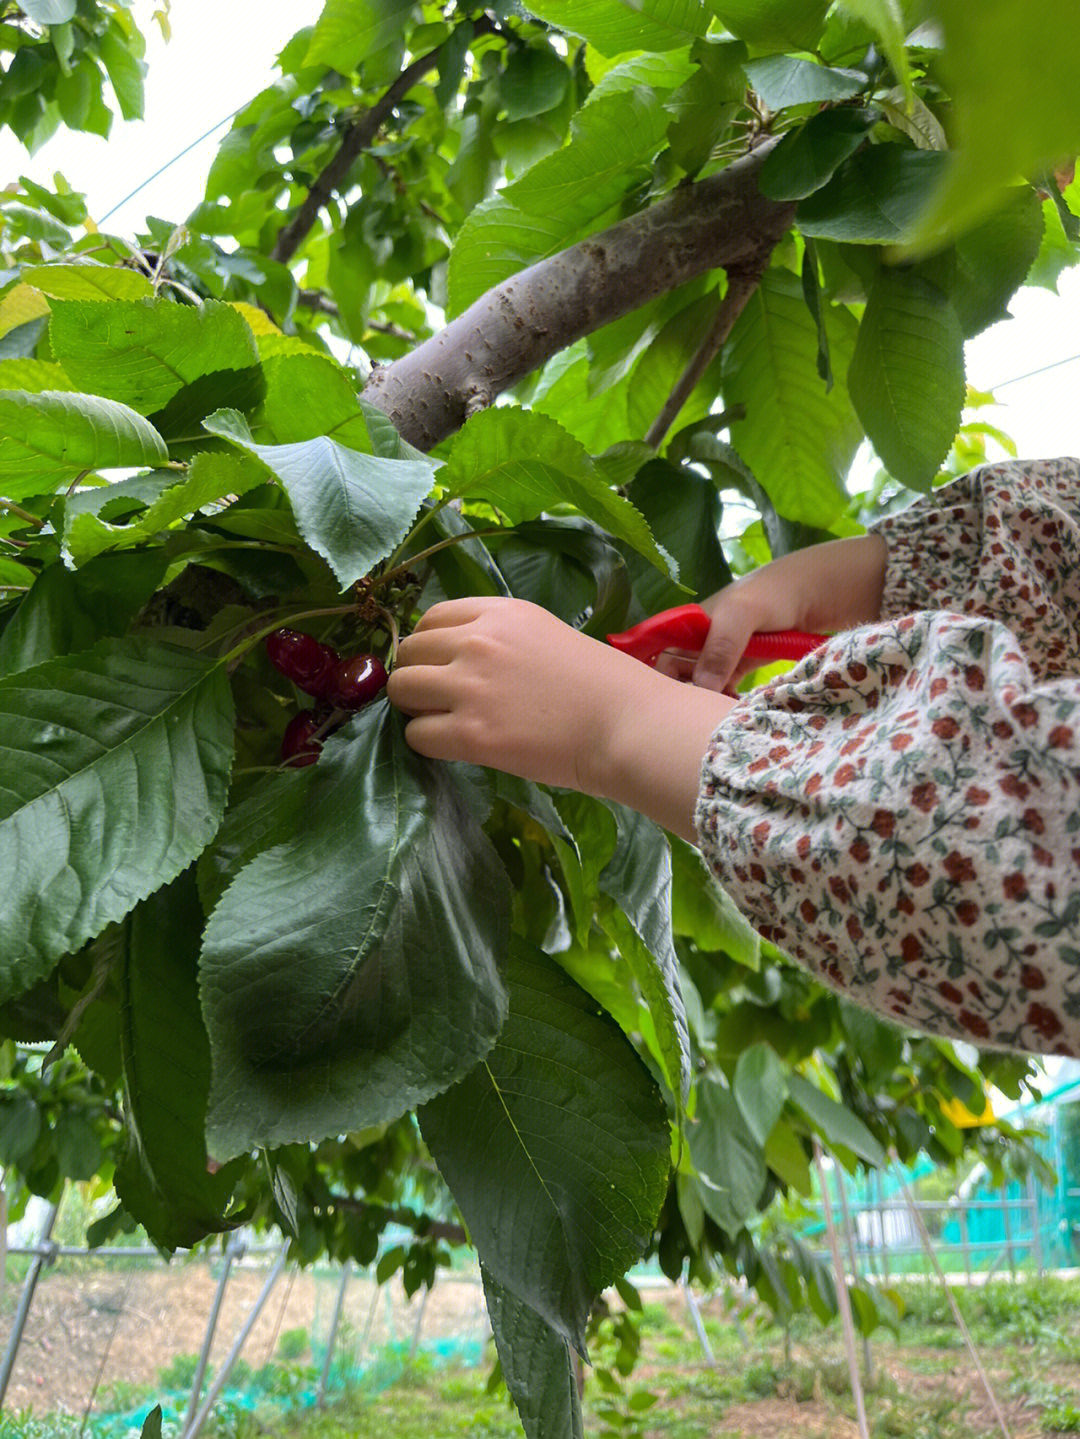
[(901, 811)]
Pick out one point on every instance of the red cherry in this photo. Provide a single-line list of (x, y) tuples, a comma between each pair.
[(298, 748), (302, 659), (356, 680)]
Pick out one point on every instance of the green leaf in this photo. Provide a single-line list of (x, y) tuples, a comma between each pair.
[(115, 768), (583, 1144), (906, 377), (524, 463), (993, 260), (760, 1089), (151, 1428), (617, 26), (270, 814), (682, 508), (798, 438), (352, 508), (783, 80), (308, 396), (349, 30), (875, 198), (728, 1159), (807, 158), (65, 612), (837, 1124), (613, 142), (20, 1126), (32, 375), (571, 568), (705, 105), (1009, 70), (162, 1178), (786, 1157), (775, 23), (663, 363), (533, 81), (88, 281), (210, 478), (50, 436), (125, 69), (78, 1149), (143, 352), (886, 19), (703, 912), (638, 878), (537, 1364), (50, 12), (351, 971)]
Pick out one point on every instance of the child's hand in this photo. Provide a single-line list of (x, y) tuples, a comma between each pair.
[(824, 588), (504, 683)]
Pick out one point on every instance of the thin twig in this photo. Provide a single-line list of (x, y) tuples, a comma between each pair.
[(100, 977), (76, 482), (843, 1298), (929, 1248), (356, 139), (741, 285), (408, 564), (15, 509)]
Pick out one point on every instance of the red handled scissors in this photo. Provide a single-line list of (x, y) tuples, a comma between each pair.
[(686, 628)]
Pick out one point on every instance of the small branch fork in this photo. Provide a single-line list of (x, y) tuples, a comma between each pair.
[(357, 138), (741, 285)]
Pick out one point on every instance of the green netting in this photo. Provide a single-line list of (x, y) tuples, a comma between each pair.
[(276, 1388)]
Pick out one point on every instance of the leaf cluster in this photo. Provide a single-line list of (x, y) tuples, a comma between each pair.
[(377, 990)]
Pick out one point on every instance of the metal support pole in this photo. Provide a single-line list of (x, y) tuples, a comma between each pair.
[(368, 1323), (335, 1325), (849, 1239), (695, 1315), (419, 1325), (234, 1353), (26, 1299), (965, 1242), (843, 1298), (1036, 1235), (1006, 1219), (234, 1248)]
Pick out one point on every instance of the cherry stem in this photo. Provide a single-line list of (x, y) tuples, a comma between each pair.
[(391, 623), (239, 651), (433, 549), (15, 509)]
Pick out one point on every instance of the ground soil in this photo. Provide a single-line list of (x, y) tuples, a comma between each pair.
[(90, 1329)]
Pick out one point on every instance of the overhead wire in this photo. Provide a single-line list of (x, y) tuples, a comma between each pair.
[(185, 151)]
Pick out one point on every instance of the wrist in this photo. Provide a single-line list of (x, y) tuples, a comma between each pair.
[(654, 746)]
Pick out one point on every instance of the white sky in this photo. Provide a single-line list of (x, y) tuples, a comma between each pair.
[(221, 56)]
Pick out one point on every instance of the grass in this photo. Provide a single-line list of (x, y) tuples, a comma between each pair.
[(924, 1384)]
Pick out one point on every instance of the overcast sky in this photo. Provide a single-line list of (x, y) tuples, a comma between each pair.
[(222, 55)]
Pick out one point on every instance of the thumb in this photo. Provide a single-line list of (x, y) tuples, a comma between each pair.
[(721, 652)]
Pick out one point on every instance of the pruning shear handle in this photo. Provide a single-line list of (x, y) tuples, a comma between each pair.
[(686, 628)]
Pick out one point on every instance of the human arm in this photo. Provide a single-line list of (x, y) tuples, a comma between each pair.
[(1002, 542), (901, 813), (505, 683)]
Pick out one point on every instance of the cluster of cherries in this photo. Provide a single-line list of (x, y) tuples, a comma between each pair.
[(337, 683)]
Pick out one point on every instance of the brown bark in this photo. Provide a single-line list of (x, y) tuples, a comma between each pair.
[(722, 221), (357, 138)]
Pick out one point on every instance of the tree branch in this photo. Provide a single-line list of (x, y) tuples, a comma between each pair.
[(420, 1224), (356, 139), (741, 285), (722, 221)]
